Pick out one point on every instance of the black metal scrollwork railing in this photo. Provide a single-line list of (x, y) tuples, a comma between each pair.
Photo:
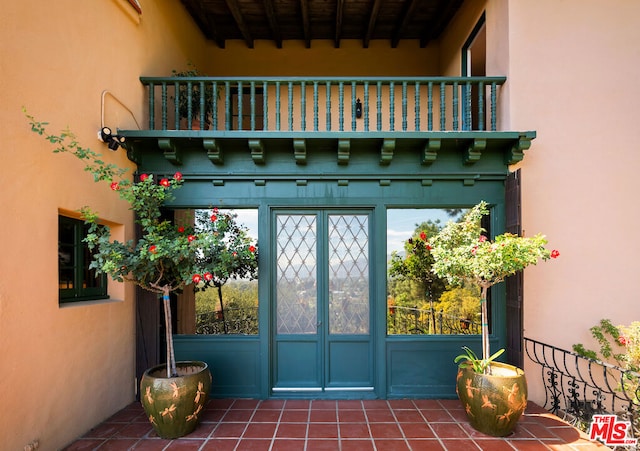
[(576, 387), (412, 320), (243, 321)]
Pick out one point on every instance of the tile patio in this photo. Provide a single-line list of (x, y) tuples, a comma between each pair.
[(309, 425)]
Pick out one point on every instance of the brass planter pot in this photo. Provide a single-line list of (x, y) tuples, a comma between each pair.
[(173, 405), (494, 403)]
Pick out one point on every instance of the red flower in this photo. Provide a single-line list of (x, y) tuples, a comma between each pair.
[(164, 182), (177, 176), (215, 210), (623, 341), (252, 248), (208, 276), (423, 236), (143, 177), (190, 238), (235, 254), (115, 186), (213, 218), (555, 254), (181, 229), (428, 247), (153, 249), (473, 251), (196, 278)]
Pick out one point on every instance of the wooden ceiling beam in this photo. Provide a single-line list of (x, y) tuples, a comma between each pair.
[(272, 17), (339, 13), (402, 24), (204, 20), (445, 12), (238, 17), (373, 17), (306, 27)]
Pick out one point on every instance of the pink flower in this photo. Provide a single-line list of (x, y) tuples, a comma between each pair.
[(235, 254), (196, 278), (215, 210), (177, 176), (153, 249), (555, 253), (208, 276), (143, 177), (190, 238), (623, 341), (115, 186), (252, 248), (482, 238), (164, 182)]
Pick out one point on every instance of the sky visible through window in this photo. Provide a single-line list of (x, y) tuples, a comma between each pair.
[(401, 223)]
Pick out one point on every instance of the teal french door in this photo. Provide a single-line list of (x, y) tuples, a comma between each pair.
[(322, 337)]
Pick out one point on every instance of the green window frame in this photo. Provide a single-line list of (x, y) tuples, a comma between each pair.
[(76, 281)]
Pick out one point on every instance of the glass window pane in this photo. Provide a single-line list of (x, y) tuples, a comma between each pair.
[(296, 280), (232, 309), (348, 274), (418, 302)]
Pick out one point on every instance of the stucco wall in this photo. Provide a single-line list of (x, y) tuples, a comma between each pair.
[(64, 370), (322, 59), (573, 75), (571, 70)]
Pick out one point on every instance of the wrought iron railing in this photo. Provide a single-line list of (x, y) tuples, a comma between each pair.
[(228, 321), (323, 104), (577, 387), (412, 320)]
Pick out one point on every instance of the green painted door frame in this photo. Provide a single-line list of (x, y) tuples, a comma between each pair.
[(401, 366)]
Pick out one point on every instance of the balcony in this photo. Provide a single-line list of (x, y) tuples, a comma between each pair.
[(426, 115)]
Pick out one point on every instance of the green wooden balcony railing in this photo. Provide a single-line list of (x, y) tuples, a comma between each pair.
[(323, 104)]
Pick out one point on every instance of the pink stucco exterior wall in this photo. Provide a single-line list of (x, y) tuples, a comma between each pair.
[(573, 72)]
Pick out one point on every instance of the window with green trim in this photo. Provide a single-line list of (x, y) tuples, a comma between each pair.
[(76, 281)]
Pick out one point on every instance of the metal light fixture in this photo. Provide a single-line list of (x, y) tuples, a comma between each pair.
[(358, 109), (112, 141)]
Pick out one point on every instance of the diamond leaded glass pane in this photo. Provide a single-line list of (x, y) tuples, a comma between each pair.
[(296, 274), (348, 274)]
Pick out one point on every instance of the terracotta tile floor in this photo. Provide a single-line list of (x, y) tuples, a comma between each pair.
[(279, 425)]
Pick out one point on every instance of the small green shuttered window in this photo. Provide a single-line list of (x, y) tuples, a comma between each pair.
[(76, 281)]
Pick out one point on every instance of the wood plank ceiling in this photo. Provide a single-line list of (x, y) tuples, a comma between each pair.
[(309, 20)]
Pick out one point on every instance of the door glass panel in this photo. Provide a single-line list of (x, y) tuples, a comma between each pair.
[(418, 302), (348, 274), (296, 280)]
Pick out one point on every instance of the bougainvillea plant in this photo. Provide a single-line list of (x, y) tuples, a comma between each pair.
[(166, 257), (622, 345), (462, 252)]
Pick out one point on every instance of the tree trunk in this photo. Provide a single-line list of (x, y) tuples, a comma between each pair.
[(171, 358), (485, 325), (224, 321)]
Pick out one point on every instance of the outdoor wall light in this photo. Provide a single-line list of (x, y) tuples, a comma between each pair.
[(358, 109), (112, 141)]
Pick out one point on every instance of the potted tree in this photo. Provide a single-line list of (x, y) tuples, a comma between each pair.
[(188, 98), (494, 394), (164, 260)]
